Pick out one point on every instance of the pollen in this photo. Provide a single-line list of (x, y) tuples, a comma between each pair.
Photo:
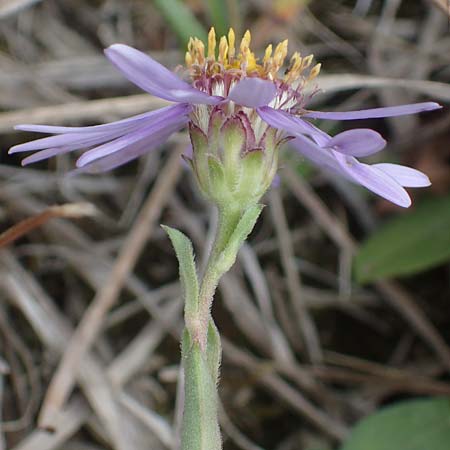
[(238, 60)]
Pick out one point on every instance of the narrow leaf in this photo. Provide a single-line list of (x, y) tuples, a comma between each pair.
[(69, 210), (410, 425), (188, 275), (416, 241), (181, 20), (213, 351)]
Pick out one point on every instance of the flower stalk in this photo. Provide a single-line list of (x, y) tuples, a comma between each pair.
[(201, 349)]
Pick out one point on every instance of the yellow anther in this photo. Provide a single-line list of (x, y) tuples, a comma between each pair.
[(199, 48), (231, 45), (188, 59), (251, 62), (223, 50), (280, 53), (212, 43), (267, 54), (245, 43), (243, 61), (314, 72), (307, 61), (295, 68), (190, 45), (296, 62)]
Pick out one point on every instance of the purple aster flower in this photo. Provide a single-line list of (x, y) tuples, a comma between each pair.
[(228, 90)]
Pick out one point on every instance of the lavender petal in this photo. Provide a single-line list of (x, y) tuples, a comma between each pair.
[(79, 137), (406, 176), (117, 159), (322, 157), (45, 154), (154, 78), (253, 92), (293, 125), (390, 111), (316, 152), (119, 125), (374, 179), (76, 139), (360, 142), (173, 119)]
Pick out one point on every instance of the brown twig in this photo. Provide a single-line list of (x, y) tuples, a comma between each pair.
[(70, 210)]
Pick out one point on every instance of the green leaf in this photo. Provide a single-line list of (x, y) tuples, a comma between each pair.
[(408, 244), (181, 20), (411, 425), (200, 430), (188, 275), (213, 351)]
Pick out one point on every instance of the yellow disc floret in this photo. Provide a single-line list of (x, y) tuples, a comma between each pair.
[(245, 61)]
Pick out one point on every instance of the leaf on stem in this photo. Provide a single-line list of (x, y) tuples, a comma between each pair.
[(213, 351), (188, 274)]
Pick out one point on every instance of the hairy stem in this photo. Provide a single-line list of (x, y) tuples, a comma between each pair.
[(201, 349), (228, 220)]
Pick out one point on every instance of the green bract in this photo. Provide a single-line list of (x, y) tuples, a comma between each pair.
[(231, 169)]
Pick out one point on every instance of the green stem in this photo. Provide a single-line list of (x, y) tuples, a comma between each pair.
[(201, 350), (201, 354), (226, 224)]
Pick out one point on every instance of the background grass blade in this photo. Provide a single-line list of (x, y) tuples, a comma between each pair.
[(181, 20), (219, 16)]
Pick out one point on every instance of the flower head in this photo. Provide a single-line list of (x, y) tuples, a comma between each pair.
[(239, 110)]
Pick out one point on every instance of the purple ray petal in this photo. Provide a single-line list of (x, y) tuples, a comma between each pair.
[(319, 136), (253, 92), (360, 142), (320, 156), (173, 119), (390, 111), (76, 139), (374, 179), (119, 125), (293, 125), (117, 159), (406, 176), (154, 78), (316, 152), (47, 153), (89, 136)]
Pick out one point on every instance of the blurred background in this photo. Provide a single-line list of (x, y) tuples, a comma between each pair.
[(327, 259)]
